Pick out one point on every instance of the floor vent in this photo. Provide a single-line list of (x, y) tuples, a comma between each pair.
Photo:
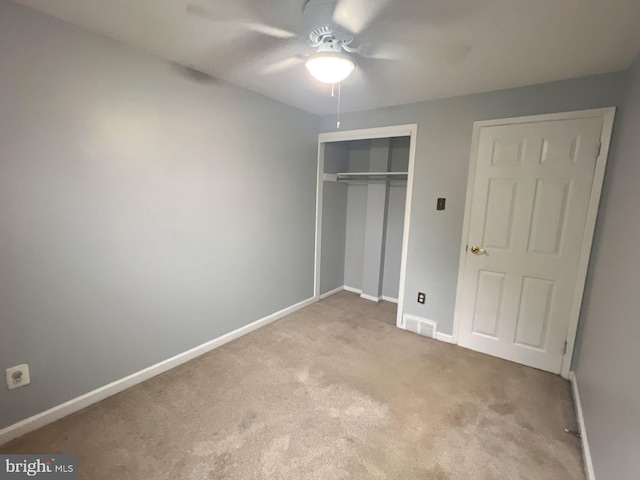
[(420, 326)]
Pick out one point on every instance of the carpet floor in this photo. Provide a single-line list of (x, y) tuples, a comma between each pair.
[(333, 391)]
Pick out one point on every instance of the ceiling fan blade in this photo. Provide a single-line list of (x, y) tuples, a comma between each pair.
[(360, 80), (245, 55), (367, 76), (356, 15), (230, 11), (388, 52), (269, 30), (240, 17), (282, 65)]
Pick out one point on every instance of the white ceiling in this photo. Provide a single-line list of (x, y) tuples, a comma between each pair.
[(441, 48)]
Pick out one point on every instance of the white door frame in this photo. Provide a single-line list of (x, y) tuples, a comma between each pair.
[(607, 115), (410, 130)]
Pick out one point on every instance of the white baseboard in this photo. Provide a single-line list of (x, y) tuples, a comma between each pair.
[(331, 292), (443, 337), (369, 297), (353, 289), (67, 408), (586, 453)]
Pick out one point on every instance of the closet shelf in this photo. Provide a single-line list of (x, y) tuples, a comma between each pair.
[(381, 176)]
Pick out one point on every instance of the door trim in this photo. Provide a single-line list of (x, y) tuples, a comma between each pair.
[(607, 115), (409, 130)]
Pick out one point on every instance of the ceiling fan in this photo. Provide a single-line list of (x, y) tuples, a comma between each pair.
[(330, 28)]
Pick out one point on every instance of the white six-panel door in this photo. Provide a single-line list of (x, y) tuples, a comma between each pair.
[(530, 197)]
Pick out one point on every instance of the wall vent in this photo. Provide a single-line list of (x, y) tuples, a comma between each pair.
[(427, 329), (413, 325), (421, 326)]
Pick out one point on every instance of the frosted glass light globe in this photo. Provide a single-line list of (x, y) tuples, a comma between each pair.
[(330, 67)]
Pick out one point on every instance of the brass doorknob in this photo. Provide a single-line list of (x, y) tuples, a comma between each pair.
[(478, 251)]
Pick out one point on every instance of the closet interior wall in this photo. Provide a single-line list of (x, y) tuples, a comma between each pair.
[(334, 218), (344, 219)]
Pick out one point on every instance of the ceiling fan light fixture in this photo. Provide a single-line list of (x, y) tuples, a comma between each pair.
[(330, 67)]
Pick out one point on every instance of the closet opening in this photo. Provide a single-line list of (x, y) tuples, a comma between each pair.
[(365, 180)]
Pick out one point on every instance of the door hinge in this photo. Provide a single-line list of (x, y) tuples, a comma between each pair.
[(564, 349), (599, 149), (466, 249)]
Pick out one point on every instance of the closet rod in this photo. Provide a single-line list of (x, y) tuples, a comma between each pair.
[(365, 176), (371, 174), (374, 180)]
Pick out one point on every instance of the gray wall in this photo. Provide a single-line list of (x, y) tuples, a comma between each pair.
[(442, 160), (376, 221), (334, 219), (356, 208), (141, 214), (356, 214), (607, 357), (354, 242)]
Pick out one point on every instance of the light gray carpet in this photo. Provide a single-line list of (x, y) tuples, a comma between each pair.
[(334, 391)]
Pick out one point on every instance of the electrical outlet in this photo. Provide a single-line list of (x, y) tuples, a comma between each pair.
[(18, 376), (421, 297)]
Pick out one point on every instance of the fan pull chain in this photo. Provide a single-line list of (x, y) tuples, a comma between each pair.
[(339, 98), (332, 90)]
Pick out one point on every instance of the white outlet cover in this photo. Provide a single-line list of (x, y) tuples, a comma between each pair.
[(25, 378)]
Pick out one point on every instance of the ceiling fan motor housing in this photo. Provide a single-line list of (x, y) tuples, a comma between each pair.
[(318, 18)]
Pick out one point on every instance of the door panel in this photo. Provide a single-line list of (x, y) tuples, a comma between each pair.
[(533, 314), (530, 199), (488, 303), (551, 198), (500, 206), (507, 152)]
